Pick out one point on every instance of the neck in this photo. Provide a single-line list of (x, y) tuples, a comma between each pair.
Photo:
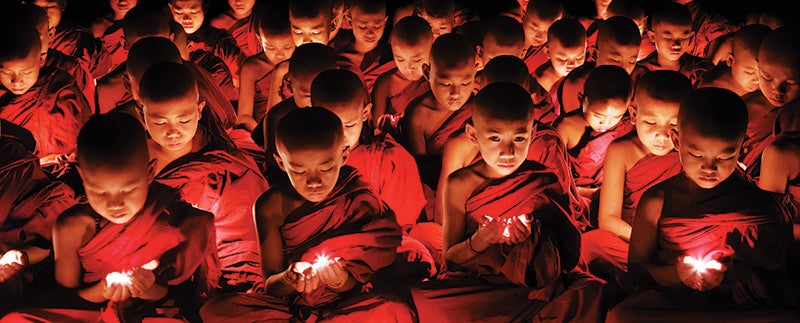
[(668, 64), (118, 15), (363, 48), (238, 16)]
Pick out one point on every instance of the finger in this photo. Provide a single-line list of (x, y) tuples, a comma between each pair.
[(312, 283), (126, 293)]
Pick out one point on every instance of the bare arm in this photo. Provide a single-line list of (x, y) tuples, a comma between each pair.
[(247, 93), (380, 97), (609, 214), (415, 133), (277, 80), (452, 160), (69, 234), (779, 164), (268, 219), (644, 240)]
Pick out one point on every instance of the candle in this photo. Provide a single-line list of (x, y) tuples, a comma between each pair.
[(701, 266), (118, 278), (11, 257)]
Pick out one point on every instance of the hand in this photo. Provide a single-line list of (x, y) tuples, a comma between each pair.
[(17, 262), (142, 280), (334, 275), (491, 232), (518, 230), (699, 279), (116, 292), (302, 276)]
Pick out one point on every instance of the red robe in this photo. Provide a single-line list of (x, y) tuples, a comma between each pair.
[(71, 65), (694, 67), (78, 42), (220, 73), (397, 104), (220, 43), (708, 26), (744, 225), (53, 110), (351, 223), (110, 90), (544, 110), (261, 98), (244, 32), (374, 63), (224, 181), (760, 129), (588, 156), (530, 280), (535, 57), (113, 42)]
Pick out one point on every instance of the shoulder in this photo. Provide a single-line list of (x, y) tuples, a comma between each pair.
[(272, 206), (78, 218), (256, 64), (385, 78)]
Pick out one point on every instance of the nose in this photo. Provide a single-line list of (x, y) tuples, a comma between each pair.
[(306, 38), (709, 165), (314, 182), (454, 93), (115, 202), (186, 19), (16, 79), (508, 151), (172, 132)]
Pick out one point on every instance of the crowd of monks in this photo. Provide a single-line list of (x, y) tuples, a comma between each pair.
[(399, 161)]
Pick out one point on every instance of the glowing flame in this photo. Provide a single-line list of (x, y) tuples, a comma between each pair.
[(702, 266), (321, 262), (11, 257), (506, 233), (153, 264), (118, 278)]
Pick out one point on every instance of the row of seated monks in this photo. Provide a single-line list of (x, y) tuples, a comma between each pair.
[(399, 161)]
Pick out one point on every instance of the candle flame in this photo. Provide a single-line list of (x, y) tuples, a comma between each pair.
[(702, 266), (118, 278), (321, 262), (11, 257)]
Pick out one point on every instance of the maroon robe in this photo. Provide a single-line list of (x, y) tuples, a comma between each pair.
[(71, 65), (78, 42), (544, 110), (262, 94), (220, 73), (588, 155), (396, 104), (535, 57), (220, 43), (743, 225), (223, 180), (351, 223), (760, 129), (244, 32), (694, 67), (531, 280), (708, 26), (113, 41), (53, 110), (374, 63)]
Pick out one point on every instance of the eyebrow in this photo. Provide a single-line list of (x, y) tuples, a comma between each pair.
[(327, 161)]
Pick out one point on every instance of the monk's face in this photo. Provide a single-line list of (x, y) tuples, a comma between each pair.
[(353, 116), (410, 58), (706, 161), (242, 8), (453, 86), (565, 59), (536, 29), (122, 6), (54, 11), (367, 27), (172, 124), (277, 48), (654, 120), (671, 40), (503, 144), (776, 79), (188, 13), (312, 171), (602, 115), (19, 75), (117, 193), (744, 70), (613, 53), (311, 30), (491, 49), (439, 26)]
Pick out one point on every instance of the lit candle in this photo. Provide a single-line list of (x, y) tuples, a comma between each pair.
[(702, 266), (11, 257), (118, 278)]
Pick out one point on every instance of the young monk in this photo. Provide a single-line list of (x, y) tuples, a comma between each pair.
[(75, 40), (109, 29), (707, 244), (540, 15), (190, 14), (506, 232), (779, 166), (633, 164), (633, 9), (157, 246), (205, 166), (31, 203), (256, 75), (739, 72), (503, 36), (587, 132), (670, 31), (323, 234), (617, 44), (239, 22), (566, 47), (440, 15), (411, 40), (365, 47), (45, 101)]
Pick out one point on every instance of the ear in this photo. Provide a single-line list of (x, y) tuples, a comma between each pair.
[(582, 100), (279, 161), (691, 35), (367, 112), (632, 111), (729, 59), (171, 37), (472, 133), (479, 63), (651, 35), (546, 51), (673, 134), (42, 59), (426, 71), (200, 106)]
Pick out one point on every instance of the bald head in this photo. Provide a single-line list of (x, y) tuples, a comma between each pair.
[(310, 59), (167, 81), (714, 113), (411, 30), (452, 50), (21, 43), (149, 51), (664, 85), (607, 82), (114, 141), (619, 30), (309, 128), (338, 88), (780, 47), (506, 68), (144, 21), (504, 102)]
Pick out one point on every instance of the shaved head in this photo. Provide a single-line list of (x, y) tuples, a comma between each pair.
[(503, 101), (506, 68), (714, 113), (309, 128), (338, 88), (112, 141)]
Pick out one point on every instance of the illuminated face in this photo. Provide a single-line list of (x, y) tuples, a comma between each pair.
[(604, 114), (612, 53), (173, 124), (122, 6), (671, 40), (188, 13), (776, 80), (654, 121), (503, 144), (707, 161), (565, 59), (277, 48), (367, 27), (310, 30), (54, 11), (491, 49), (19, 75), (744, 70), (536, 30), (353, 118), (242, 8), (410, 58), (452, 87), (439, 26), (301, 90), (117, 195), (313, 172)]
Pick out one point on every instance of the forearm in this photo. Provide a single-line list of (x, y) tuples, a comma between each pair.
[(615, 225), (278, 285), (464, 251), (93, 293), (156, 292), (348, 284), (35, 254)]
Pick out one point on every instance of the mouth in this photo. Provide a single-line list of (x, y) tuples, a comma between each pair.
[(505, 166)]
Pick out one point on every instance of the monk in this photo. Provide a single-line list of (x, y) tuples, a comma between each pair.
[(709, 26), (411, 40), (634, 9), (633, 164), (212, 63), (366, 46), (587, 132), (190, 14), (510, 246), (779, 166), (45, 101), (440, 15), (739, 71), (503, 36), (566, 47), (306, 63), (31, 203), (133, 245), (323, 235), (75, 40), (239, 22), (256, 75), (204, 164), (109, 29), (539, 16), (707, 244)]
